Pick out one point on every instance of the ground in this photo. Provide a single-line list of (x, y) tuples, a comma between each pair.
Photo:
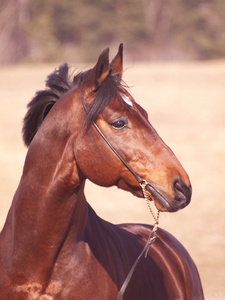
[(186, 105)]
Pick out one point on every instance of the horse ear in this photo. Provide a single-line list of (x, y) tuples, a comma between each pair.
[(101, 69), (116, 65)]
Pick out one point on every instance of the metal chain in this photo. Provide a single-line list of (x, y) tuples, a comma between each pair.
[(152, 235), (148, 199), (149, 242)]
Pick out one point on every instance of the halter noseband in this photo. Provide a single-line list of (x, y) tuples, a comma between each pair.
[(143, 184)]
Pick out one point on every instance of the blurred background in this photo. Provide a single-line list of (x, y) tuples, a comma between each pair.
[(46, 31), (174, 53)]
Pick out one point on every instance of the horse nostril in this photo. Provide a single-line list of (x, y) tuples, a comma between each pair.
[(182, 192)]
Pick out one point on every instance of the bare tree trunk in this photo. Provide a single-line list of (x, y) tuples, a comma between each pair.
[(13, 16), (158, 16)]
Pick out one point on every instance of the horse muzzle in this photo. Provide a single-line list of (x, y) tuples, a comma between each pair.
[(182, 196)]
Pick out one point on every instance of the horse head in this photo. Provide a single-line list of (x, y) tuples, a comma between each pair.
[(124, 123), (126, 126)]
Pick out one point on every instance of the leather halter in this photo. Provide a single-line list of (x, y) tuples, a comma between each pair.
[(143, 184), (137, 177)]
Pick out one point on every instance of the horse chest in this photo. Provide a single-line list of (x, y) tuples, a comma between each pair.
[(74, 283), (80, 276)]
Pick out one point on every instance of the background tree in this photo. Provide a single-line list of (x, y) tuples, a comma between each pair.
[(47, 30)]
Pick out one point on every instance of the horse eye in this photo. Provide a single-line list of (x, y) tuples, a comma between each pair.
[(119, 124)]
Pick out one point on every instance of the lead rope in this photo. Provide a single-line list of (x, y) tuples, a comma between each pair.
[(149, 242), (143, 183)]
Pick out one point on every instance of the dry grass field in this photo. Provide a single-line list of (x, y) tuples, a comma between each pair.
[(186, 105)]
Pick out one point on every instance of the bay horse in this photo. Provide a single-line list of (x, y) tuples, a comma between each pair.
[(53, 245)]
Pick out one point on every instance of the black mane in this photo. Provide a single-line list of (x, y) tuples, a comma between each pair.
[(57, 84)]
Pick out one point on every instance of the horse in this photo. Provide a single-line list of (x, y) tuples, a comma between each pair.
[(53, 245)]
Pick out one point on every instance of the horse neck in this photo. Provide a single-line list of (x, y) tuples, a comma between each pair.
[(49, 204)]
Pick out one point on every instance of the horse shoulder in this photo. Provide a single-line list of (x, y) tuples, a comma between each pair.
[(180, 274)]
